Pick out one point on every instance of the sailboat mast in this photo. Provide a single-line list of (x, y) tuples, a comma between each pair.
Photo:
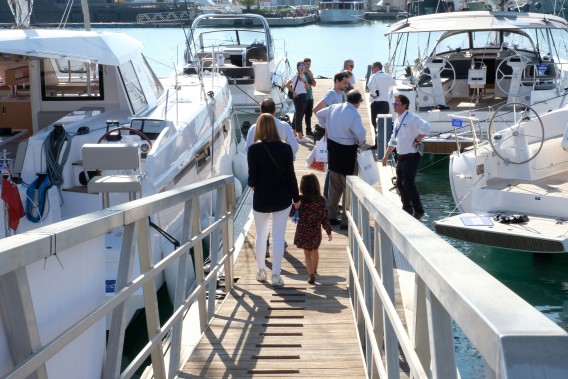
[(86, 16)]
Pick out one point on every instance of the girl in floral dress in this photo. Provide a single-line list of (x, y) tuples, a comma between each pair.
[(311, 217)]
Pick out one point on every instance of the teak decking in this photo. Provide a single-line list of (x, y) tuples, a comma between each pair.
[(299, 330)]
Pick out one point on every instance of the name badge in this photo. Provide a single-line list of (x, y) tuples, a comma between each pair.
[(393, 142)]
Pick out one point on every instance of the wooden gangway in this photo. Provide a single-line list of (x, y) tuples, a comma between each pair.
[(300, 330), (355, 321)]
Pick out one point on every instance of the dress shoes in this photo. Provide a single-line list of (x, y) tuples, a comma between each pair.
[(418, 216)]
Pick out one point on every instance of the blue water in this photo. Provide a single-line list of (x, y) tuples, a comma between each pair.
[(540, 280)]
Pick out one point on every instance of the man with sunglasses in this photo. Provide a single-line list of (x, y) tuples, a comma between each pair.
[(409, 130), (349, 65), (345, 133)]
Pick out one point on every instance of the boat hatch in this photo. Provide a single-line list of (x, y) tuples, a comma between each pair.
[(150, 127)]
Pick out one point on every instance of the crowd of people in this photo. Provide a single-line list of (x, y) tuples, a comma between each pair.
[(272, 145)]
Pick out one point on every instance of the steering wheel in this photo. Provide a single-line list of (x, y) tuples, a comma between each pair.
[(135, 131), (446, 67), (513, 130), (501, 75)]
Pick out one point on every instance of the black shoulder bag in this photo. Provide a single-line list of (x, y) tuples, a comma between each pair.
[(291, 93), (274, 161)]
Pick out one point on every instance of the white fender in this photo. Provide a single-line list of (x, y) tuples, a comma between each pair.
[(238, 189), (240, 169)]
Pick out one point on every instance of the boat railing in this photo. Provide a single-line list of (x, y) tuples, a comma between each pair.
[(439, 286), (43, 246), (457, 123)]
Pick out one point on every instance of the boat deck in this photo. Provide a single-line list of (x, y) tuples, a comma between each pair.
[(542, 233), (299, 330)]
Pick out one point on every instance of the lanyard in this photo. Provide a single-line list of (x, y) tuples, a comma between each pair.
[(399, 125)]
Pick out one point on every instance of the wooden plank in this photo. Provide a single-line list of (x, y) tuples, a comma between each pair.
[(300, 330)]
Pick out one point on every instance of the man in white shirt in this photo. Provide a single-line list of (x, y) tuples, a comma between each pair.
[(335, 95), (345, 133), (284, 129), (409, 130), (380, 88)]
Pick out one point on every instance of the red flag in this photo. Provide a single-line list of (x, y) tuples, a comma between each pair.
[(11, 196)]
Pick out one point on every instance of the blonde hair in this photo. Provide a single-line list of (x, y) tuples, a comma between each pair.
[(266, 129)]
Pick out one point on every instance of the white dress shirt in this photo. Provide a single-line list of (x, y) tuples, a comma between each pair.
[(285, 132), (383, 83)]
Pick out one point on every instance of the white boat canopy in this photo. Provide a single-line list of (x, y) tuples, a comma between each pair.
[(85, 46), (480, 20)]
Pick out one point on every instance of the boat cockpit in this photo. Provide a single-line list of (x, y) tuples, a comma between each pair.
[(481, 59)]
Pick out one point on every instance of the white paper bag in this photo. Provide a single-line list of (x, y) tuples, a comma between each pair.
[(321, 150), (368, 170)]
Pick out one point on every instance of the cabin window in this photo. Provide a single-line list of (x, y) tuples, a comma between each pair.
[(155, 83), (63, 79), (133, 87)]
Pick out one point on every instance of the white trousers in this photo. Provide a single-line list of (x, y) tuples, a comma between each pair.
[(262, 223)]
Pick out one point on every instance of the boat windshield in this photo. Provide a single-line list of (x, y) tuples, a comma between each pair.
[(237, 37), (484, 39)]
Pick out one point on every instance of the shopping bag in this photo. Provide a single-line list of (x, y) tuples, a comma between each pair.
[(368, 170), (321, 150), (311, 162), (317, 166)]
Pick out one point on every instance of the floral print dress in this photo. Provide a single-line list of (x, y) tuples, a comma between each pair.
[(313, 216)]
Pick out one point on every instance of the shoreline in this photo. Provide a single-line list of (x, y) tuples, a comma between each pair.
[(272, 22)]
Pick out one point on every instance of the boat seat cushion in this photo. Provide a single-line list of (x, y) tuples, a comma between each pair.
[(113, 156)]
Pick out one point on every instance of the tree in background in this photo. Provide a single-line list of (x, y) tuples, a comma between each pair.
[(248, 3)]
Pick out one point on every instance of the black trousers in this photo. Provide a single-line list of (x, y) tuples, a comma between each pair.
[(406, 169), (300, 103), (377, 108), (309, 109)]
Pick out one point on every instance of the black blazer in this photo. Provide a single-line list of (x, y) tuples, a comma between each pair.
[(274, 189)]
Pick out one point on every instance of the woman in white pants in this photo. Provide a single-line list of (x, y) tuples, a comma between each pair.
[(273, 180)]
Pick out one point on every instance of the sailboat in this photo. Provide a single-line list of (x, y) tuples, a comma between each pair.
[(69, 89)]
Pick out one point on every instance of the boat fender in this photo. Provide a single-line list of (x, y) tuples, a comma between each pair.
[(238, 189), (242, 147), (240, 169)]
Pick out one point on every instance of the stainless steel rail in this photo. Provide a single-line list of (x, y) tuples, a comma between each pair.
[(513, 338), (30, 352)]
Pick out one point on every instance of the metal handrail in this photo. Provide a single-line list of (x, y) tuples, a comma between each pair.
[(20, 251), (513, 338)]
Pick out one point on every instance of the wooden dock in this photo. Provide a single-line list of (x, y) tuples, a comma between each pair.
[(299, 330)]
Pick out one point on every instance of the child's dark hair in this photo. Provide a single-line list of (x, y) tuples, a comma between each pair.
[(310, 188)]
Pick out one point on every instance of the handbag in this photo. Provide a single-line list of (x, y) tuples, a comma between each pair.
[(291, 93), (274, 161), (368, 170), (321, 150)]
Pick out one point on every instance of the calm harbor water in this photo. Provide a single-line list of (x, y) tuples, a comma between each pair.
[(541, 280)]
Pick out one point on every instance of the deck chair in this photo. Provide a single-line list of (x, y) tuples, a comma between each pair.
[(113, 156)]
